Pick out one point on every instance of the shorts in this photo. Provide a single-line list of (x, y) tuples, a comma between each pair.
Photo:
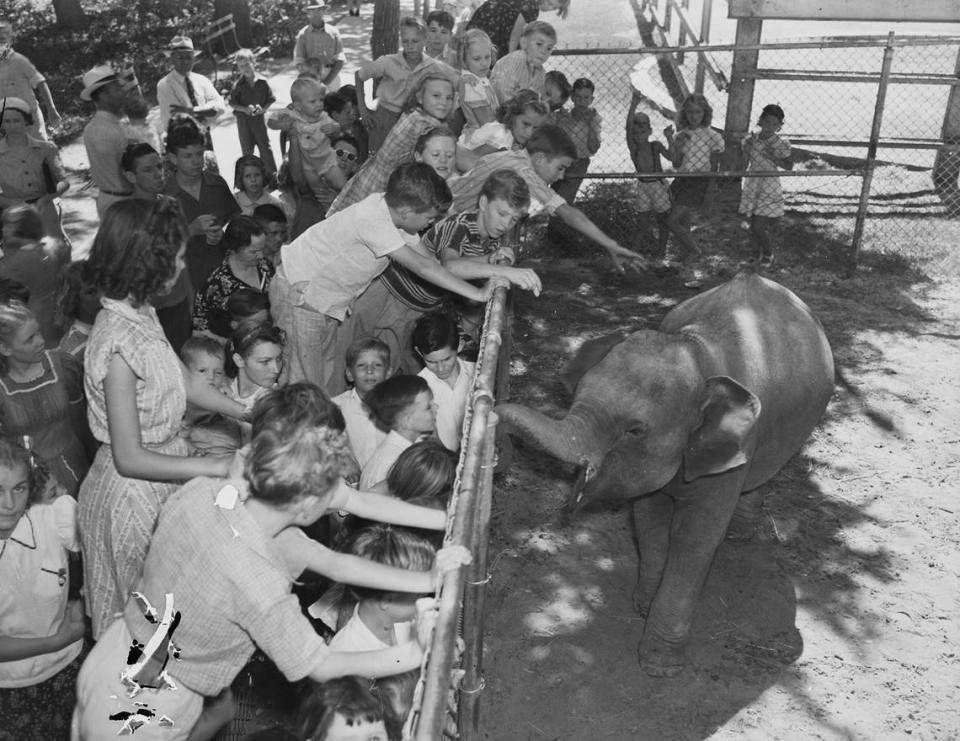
[(653, 195)]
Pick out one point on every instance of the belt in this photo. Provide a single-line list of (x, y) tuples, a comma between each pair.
[(115, 193)]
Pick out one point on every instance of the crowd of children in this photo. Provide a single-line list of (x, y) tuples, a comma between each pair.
[(180, 410)]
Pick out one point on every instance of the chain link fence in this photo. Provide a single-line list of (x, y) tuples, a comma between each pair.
[(874, 125)]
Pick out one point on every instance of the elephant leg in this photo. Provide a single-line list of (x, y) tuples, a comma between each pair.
[(746, 516), (699, 524), (651, 517)]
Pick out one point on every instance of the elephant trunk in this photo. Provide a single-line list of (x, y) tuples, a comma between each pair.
[(572, 439)]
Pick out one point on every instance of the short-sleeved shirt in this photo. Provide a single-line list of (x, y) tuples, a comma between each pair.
[(383, 459), (703, 142), (397, 79), (318, 43), (19, 79), (356, 636), (363, 434), (105, 138), (457, 232), (498, 17), (231, 586), (258, 92), (33, 599), (137, 337), (451, 402), (21, 169), (466, 188), (513, 73), (335, 260), (478, 100)]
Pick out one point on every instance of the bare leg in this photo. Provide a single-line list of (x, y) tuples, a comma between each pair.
[(682, 234)]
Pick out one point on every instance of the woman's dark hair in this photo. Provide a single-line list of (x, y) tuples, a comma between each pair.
[(435, 331), (135, 250), (245, 303), (239, 232), (73, 285), (133, 152), (389, 398), (26, 221), (246, 337), (424, 470)]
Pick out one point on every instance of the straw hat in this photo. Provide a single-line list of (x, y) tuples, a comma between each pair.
[(96, 78), (317, 5), (181, 43), (15, 104)]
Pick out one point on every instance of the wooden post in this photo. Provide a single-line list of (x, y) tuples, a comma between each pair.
[(705, 18), (385, 34), (741, 90), (872, 147), (946, 166), (682, 33)]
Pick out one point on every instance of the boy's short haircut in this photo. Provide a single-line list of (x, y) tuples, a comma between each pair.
[(411, 21), (584, 83), (183, 131), (335, 102), (133, 152), (366, 344), (350, 697), (435, 331), (553, 142), (391, 397), (417, 185), (270, 213), (541, 27), (560, 80), (302, 84), (390, 546), (442, 17), (194, 347), (506, 185)]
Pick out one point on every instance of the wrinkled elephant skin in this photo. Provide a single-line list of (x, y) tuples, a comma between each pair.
[(685, 421)]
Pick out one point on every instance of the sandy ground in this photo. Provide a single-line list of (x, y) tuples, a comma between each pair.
[(839, 621)]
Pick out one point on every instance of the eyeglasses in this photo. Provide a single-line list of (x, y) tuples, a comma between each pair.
[(350, 156)]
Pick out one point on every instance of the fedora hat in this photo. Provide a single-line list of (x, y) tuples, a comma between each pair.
[(181, 43), (96, 78)]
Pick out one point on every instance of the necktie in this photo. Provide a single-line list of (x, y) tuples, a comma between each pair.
[(191, 93)]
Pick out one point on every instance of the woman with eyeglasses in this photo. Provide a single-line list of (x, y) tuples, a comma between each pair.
[(41, 631)]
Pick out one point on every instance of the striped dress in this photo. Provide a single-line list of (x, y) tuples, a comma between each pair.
[(117, 514)]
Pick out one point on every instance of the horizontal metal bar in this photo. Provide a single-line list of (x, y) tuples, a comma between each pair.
[(727, 174), (884, 143), (841, 76), (827, 43)]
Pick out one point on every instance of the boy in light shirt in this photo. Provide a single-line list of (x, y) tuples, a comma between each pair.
[(523, 68), (437, 341), (368, 363)]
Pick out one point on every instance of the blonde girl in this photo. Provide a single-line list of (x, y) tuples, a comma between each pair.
[(478, 100)]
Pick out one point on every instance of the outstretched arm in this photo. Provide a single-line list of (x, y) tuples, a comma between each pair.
[(576, 219)]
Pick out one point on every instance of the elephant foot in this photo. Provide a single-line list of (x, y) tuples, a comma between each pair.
[(658, 659)]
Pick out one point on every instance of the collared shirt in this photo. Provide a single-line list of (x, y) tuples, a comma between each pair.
[(105, 139), (513, 73), (396, 150), (231, 586), (137, 337), (21, 168), (363, 434), (246, 93), (383, 459), (458, 232), (212, 297), (451, 402), (356, 636), (335, 260), (172, 90), (319, 43), (19, 79), (397, 79), (466, 188), (215, 198)]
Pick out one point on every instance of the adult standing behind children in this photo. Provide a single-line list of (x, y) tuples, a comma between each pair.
[(326, 268), (20, 79), (184, 91), (504, 20), (320, 40), (523, 68), (104, 137)]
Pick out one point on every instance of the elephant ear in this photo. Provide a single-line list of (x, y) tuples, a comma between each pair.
[(590, 353), (728, 414)]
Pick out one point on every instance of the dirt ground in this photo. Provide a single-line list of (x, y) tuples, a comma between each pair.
[(839, 621)]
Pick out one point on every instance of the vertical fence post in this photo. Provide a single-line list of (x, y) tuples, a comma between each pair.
[(872, 147), (475, 596), (742, 82), (705, 20), (682, 31)]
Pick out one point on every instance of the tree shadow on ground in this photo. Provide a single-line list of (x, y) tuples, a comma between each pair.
[(561, 631)]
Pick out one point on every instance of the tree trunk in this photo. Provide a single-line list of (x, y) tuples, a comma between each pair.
[(385, 37), (69, 14), (241, 17)]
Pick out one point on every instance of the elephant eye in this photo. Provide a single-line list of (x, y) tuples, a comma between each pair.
[(636, 431)]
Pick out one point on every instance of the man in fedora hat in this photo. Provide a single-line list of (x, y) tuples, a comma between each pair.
[(20, 79), (320, 40), (184, 91), (104, 136)]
